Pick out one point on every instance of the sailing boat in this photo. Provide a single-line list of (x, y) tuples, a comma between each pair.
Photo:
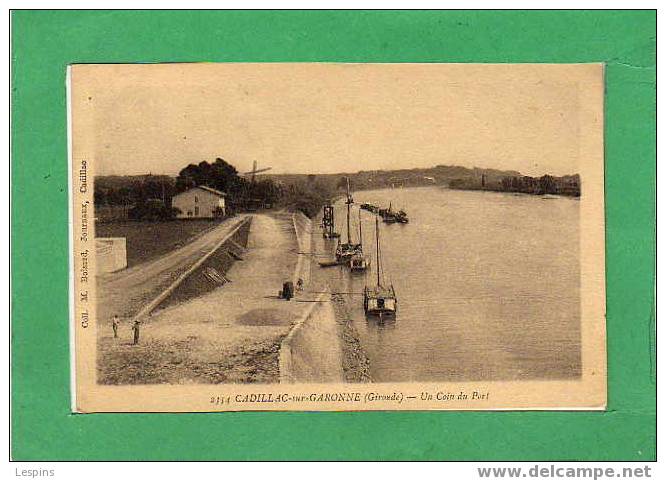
[(379, 300), (388, 215), (401, 217), (345, 251), (358, 261)]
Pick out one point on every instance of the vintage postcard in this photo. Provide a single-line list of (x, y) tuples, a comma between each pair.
[(312, 236)]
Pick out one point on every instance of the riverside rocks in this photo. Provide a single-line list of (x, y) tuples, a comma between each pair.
[(355, 362)]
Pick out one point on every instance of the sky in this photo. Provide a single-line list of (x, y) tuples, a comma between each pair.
[(327, 118)]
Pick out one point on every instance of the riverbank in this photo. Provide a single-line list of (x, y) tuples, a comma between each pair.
[(230, 335), (355, 362), (569, 193), (568, 185), (241, 331)]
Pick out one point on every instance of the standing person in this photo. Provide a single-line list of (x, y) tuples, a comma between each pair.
[(115, 323), (135, 328)]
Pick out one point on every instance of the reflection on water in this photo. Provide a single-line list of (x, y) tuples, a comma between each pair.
[(377, 322), (487, 283)]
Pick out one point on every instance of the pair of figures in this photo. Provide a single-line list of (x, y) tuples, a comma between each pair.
[(135, 328)]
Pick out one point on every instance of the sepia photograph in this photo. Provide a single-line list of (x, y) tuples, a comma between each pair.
[(312, 236)]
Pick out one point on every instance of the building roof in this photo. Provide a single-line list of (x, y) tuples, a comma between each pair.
[(214, 191), (208, 189)]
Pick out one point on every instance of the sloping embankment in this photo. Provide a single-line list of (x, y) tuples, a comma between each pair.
[(311, 352), (230, 335), (303, 230), (207, 273)]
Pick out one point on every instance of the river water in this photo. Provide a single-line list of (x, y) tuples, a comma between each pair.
[(487, 283)]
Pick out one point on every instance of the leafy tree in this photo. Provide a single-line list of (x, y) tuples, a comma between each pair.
[(219, 175), (547, 185)]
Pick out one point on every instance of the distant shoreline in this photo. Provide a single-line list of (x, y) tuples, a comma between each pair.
[(447, 187), (568, 185), (501, 191)]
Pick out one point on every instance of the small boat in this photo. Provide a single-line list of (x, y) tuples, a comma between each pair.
[(369, 207), (358, 262), (388, 215), (379, 300), (345, 251), (401, 217)]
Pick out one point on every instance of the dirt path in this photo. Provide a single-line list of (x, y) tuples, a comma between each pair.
[(229, 335), (125, 292)]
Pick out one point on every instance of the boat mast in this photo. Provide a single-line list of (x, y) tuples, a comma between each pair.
[(360, 228), (378, 259), (348, 208)]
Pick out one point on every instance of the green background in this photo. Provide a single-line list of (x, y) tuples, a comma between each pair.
[(44, 42)]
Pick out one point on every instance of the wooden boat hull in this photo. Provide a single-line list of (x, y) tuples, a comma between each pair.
[(343, 257), (345, 252), (357, 264), (380, 303), (380, 312)]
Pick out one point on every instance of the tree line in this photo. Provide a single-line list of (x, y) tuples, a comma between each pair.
[(546, 184), (149, 197)]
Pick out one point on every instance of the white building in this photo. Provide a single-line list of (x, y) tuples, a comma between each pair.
[(200, 201)]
